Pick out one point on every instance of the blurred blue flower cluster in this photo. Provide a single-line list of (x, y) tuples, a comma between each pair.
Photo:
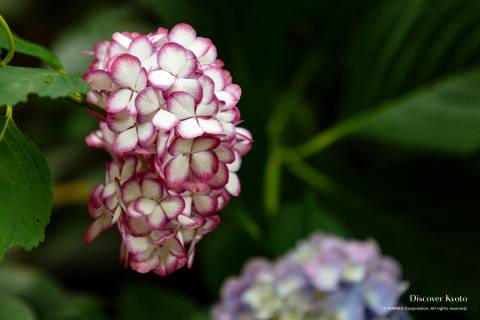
[(324, 277)]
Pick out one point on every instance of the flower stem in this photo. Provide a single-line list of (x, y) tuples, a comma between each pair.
[(11, 42), (329, 136), (78, 99), (8, 117)]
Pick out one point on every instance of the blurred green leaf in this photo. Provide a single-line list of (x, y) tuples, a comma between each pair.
[(141, 301), (32, 49), (13, 308), (296, 221), (25, 190), (16, 83), (442, 117), (46, 297)]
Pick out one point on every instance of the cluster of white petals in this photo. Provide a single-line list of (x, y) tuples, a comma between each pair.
[(171, 128)]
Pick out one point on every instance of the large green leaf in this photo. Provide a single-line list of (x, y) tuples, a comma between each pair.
[(441, 117), (25, 191), (13, 308), (16, 83), (444, 117), (32, 49)]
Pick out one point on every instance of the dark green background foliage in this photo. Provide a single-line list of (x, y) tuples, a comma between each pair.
[(394, 87)]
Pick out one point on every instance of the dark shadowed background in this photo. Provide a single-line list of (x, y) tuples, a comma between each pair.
[(404, 171)]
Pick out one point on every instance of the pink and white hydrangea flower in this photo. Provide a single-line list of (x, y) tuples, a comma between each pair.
[(170, 125)]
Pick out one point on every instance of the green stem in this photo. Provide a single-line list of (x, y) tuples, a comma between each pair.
[(307, 173), (326, 138), (80, 101), (272, 181), (11, 42), (8, 117)]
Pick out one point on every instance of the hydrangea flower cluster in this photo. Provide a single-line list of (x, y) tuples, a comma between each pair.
[(171, 128), (323, 278)]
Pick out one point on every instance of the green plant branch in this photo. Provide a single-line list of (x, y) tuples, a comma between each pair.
[(272, 181), (8, 118), (11, 42), (331, 135), (306, 172), (79, 99)]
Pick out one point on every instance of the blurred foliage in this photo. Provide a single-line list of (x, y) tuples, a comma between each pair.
[(364, 117)]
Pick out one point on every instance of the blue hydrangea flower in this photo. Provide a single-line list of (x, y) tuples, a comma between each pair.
[(323, 278)]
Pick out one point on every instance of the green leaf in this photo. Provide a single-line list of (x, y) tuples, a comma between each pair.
[(32, 49), (13, 308), (297, 221), (142, 301), (443, 117), (16, 83), (25, 191)]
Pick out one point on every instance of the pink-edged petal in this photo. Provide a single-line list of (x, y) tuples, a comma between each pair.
[(126, 70), (210, 56), (218, 76), (148, 101), (189, 129), (237, 162), (176, 60), (161, 79), (229, 115), (234, 89), (138, 226), (175, 247), (206, 110), (191, 86), (128, 168), (233, 184), (204, 204), (163, 143), (172, 206), (96, 227), (121, 121), (119, 100), (225, 154), (204, 144), (133, 213), (130, 191), (144, 205), (136, 244), (141, 48), (150, 63), (176, 171), (152, 188), (220, 178), (183, 34), (158, 218), (208, 88), (211, 126), (122, 39), (98, 80), (141, 82), (204, 164), (160, 236), (126, 141), (182, 105), (229, 99), (165, 120), (146, 131), (200, 46), (147, 265), (181, 146)]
